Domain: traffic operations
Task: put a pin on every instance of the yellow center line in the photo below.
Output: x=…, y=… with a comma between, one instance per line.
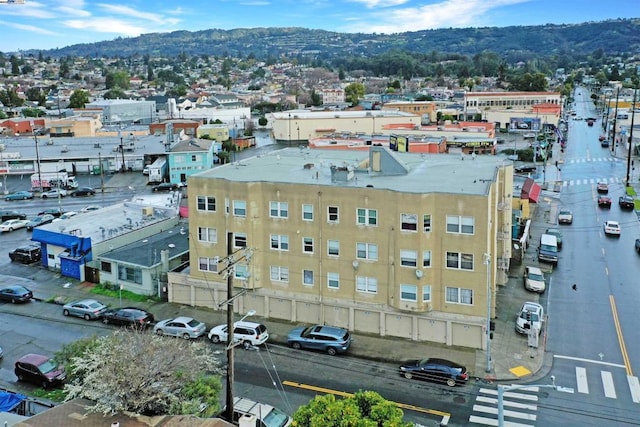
x=623, y=347
x=345, y=394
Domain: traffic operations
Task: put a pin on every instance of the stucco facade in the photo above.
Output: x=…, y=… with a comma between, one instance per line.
x=383, y=243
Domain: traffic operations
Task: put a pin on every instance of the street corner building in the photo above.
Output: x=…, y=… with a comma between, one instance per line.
x=394, y=244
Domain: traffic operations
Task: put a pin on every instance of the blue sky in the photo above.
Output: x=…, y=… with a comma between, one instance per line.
x=47, y=24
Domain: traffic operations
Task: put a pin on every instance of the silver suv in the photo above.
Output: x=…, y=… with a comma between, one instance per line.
x=249, y=334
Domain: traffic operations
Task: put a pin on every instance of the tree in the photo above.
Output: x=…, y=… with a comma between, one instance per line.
x=10, y=98
x=79, y=98
x=115, y=94
x=262, y=121
x=32, y=112
x=354, y=93
x=36, y=94
x=365, y=408
x=117, y=80
x=146, y=374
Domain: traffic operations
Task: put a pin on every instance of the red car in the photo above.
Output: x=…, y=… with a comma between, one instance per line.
x=604, y=201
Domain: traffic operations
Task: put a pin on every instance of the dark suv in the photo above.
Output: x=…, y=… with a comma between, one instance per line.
x=7, y=215
x=39, y=369
x=26, y=254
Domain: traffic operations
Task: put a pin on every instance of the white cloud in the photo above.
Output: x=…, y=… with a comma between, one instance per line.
x=132, y=13
x=371, y=4
x=30, y=28
x=66, y=10
x=106, y=25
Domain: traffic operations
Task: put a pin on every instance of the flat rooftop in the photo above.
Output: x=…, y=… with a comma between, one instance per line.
x=425, y=173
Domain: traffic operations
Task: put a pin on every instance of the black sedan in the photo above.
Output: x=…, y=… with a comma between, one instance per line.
x=626, y=202
x=83, y=191
x=165, y=186
x=15, y=294
x=128, y=316
x=438, y=370
x=56, y=212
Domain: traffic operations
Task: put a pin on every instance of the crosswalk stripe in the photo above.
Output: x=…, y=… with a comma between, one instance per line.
x=510, y=394
x=494, y=422
x=581, y=377
x=505, y=412
x=607, y=383
x=508, y=403
x=634, y=386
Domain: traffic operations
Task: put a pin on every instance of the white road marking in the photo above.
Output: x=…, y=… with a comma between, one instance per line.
x=509, y=403
x=579, y=359
x=607, y=383
x=581, y=377
x=634, y=386
x=494, y=422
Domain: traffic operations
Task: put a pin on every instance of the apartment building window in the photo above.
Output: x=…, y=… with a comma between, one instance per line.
x=367, y=216
x=239, y=208
x=241, y=271
x=408, y=258
x=280, y=242
x=333, y=215
x=307, y=277
x=409, y=222
x=460, y=224
x=279, y=274
x=194, y=158
x=207, y=203
x=426, y=223
x=367, y=284
x=307, y=245
x=409, y=293
x=105, y=266
x=426, y=259
x=307, y=212
x=459, y=295
x=333, y=247
x=459, y=261
x=130, y=274
x=279, y=209
x=333, y=280
x=426, y=293
x=206, y=234
x=239, y=240
x=367, y=251
x=208, y=264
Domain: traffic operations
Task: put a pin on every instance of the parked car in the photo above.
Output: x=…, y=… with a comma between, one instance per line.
x=88, y=309
x=7, y=215
x=19, y=195
x=604, y=201
x=39, y=369
x=15, y=294
x=26, y=254
x=39, y=220
x=90, y=208
x=127, y=316
x=612, y=228
x=265, y=415
x=638, y=245
x=56, y=212
x=437, y=370
x=626, y=202
x=565, y=216
x=330, y=339
x=531, y=315
x=185, y=327
x=555, y=232
x=534, y=279
x=54, y=194
x=525, y=169
x=248, y=334
x=65, y=215
x=602, y=187
x=165, y=186
x=13, y=224
x=83, y=191
x=604, y=143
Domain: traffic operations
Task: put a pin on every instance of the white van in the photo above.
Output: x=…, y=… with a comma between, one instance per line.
x=548, y=250
x=248, y=413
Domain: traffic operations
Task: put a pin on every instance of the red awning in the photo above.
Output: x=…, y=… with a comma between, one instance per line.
x=530, y=190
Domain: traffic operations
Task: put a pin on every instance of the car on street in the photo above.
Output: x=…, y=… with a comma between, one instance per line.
x=19, y=195
x=557, y=233
x=264, y=415
x=88, y=309
x=436, y=370
x=626, y=202
x=248, y=334
x=638, y=245
x=90, y=208
x=604, y=201
x=565, y=216
x=604, y=143
x=531, y=315
x=66, y=215
x=39, y=369
x=56, y=212
x=612, y=228
x=127, y=316
x=525, y=169
x=83, y=191
x=330, y=339
x=26, y=254
x=184, y=327
x=15, y=294
x=602, y=187
x=6, y=215
x=54, y=194
x=39, y=220
x=13, y=224
x=534, y=279
x=165, y=186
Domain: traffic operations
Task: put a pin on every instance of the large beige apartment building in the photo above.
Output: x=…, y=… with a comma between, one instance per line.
x=395, y=244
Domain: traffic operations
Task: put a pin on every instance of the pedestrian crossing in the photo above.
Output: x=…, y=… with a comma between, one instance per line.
x=593, y=160
x=519, y=407
x=606, y=384
x=592, y=181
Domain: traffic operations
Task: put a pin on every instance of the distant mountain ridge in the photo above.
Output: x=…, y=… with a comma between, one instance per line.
x=618, y=36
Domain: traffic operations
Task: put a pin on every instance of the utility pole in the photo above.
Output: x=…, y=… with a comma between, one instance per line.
x=101, y=175
x=487, y=262
x=122, y=151
x=615, y=120
x=35, y=136
x=633, y=116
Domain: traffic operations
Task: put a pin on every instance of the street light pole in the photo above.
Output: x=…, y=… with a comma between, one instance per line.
x=615, y=120
x=230, y=373
x=35, y=136
x=633, y=115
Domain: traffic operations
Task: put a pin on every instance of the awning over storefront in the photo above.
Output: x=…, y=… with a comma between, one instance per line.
x=530, y=190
